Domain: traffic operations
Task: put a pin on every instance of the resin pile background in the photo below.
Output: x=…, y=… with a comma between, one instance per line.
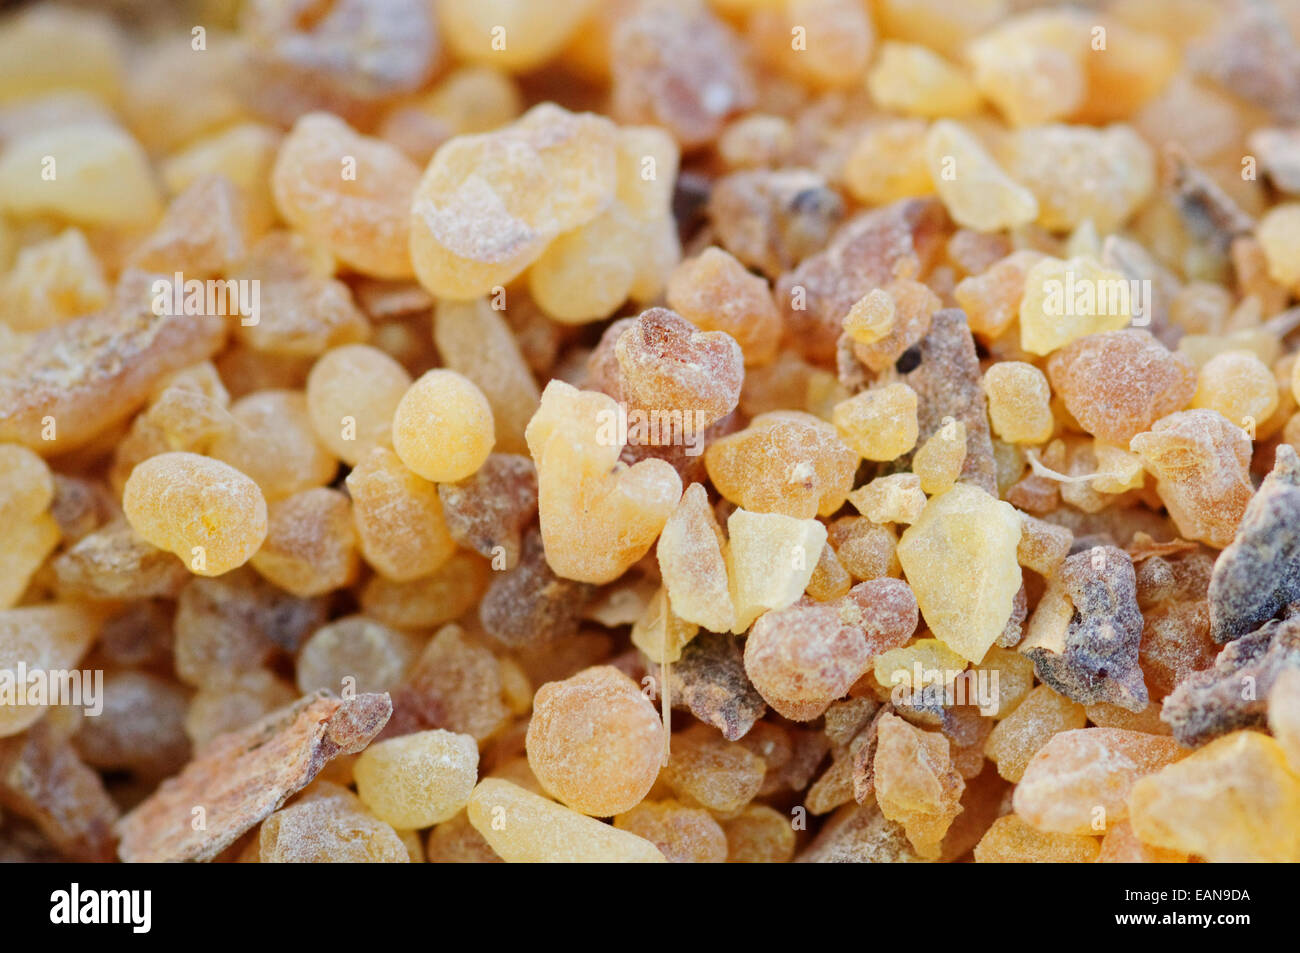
x=643, y=430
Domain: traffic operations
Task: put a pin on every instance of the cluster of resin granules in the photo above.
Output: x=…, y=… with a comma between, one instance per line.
x=748, y=431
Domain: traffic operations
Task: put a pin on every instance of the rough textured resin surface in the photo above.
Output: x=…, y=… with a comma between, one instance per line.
x=328, y=826
x=1019, y=402
x=915, y=782
x=897, y=498
x=208, y=513
x=310, y=545
x=757, y=835
x=398, y=517
x=417, y=780
x=715, y=293
x=351, y=192
x=595, y=741
x=1199, y=459
x=1018, y=737
x=1011, y=840
x=1079, y=782
x=354, y=653
x=271, y=440
x=691, y=561
x=48, y=637
x=938, y=461
x=1235, y=800
x=813, y=469
x=1118, y=383
x=978, y=193
x=666, y=363
x=879, y=424
x=474, y=340
x=708, y=770
x=524, y=827
x=806, y=656
x=596, y=519
x=770, y=559
x=488, y=204
x=960, y=559
x=1238, y=385
x=352, y=394
x=685, y=835
x=443, y=428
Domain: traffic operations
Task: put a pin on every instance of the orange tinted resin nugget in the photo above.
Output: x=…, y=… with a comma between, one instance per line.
x=398, y=517
x=442, y=428
x=208, y=513
x=1011, y=841
x=595, y=741
x=1019, y=736
x=685, y=835
x=352, y=393
x=1079, y=782
x=417, y=780
x=786, y=462
x=349, y=191
x=1200, y=460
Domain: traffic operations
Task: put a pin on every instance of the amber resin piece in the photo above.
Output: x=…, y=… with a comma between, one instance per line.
x=960, y=559
x=1200, y=460
x=595, y=741
x=1018, y=737
x=865, y=253
x=787, y=462
x=523, y=827
x=42, y=778
x=88, y=374
x=1235, y=800
x=48, y=637
x=707, y=770
x=1011, y=841
x=1119, y=383
x=685, y=835
x=1079, y=782
x=802, y=658
x=488, y=511
x=915, y=782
